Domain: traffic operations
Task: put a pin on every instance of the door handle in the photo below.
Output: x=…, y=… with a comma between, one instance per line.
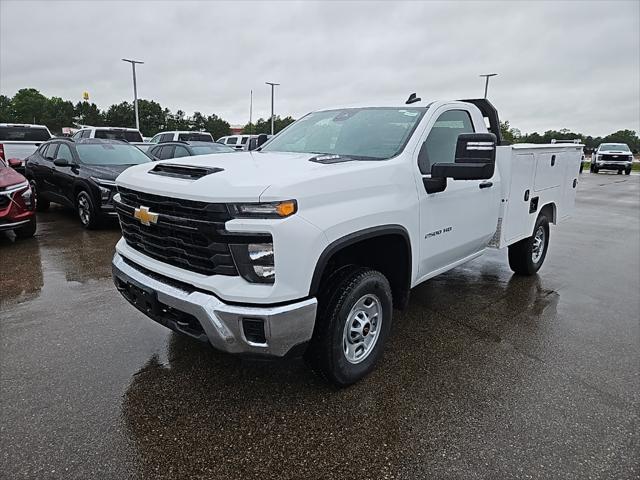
x=486, y=185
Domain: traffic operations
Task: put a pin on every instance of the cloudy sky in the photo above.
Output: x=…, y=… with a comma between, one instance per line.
x=560, y=64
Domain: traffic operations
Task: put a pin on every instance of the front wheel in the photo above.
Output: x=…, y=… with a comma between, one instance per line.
x=354, y=321
x=42, y=204
x=596, y=169
x=527, y=256
x=627, y=171
x=86, y=211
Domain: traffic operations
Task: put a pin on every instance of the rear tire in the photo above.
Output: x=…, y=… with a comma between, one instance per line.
x=89, y=217
x=27, y=231
x=352, y=326
x=42, y=204
x=527, y=256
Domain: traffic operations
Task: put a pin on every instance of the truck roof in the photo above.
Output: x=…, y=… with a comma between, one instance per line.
x=26, y=125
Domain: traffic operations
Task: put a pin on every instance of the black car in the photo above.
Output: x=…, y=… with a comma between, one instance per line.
x=80, y=174
x=177, y=149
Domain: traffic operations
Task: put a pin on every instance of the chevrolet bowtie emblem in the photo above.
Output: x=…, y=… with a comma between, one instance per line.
x=145, y=216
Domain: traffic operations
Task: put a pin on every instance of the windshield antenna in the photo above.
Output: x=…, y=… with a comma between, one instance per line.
x=412, y=99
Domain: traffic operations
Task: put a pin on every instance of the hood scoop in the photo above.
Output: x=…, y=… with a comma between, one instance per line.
x=188, y=172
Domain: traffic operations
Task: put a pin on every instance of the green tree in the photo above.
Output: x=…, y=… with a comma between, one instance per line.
x=6, y=110
x=89, y=114
x=59, y=113
x=152, y=117
x=29, y=106
x=120, y=115
x=216, y=126
x=629, y=137
x=264, y=126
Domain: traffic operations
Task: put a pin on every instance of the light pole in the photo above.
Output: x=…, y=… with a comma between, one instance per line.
x=135, y=89
x=486, y=84
x=272, y=87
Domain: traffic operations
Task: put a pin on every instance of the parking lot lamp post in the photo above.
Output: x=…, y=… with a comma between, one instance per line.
x=135, y=89
x=272, y=117
x=486, y=83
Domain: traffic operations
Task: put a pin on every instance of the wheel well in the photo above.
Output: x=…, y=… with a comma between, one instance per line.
x=549, y=210
x=388, y=253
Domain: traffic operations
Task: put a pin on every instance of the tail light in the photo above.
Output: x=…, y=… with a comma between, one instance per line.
x=1, y=151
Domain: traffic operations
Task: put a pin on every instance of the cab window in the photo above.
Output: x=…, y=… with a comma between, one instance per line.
x=440, y=145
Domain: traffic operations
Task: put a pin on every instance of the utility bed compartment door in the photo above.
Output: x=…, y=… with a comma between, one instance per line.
x=548, y=170
x=516, y=222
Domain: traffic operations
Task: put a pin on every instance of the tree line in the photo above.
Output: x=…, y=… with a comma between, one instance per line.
x=28, y=105
x=513, y=135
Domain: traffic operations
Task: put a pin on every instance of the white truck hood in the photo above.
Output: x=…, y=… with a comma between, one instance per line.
x=245, y=175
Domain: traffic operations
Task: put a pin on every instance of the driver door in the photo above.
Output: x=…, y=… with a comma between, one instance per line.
x=459, y=221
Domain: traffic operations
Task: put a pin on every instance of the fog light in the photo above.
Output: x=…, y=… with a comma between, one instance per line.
x=264, y=271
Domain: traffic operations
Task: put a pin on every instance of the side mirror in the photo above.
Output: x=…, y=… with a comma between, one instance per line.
x=15, y=162
x=262, y=138
x=475, y=158
x=62, y=162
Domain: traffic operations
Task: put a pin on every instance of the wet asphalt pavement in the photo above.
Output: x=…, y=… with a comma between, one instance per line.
x=486, y=375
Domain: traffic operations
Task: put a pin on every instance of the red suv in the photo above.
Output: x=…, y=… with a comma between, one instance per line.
x=17, y=210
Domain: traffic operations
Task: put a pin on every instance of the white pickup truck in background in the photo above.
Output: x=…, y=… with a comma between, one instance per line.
x=306, y=244
x=18, y=141
x=612, y=156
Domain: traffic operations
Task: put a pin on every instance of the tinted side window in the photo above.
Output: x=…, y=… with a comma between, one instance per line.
x=86, y=133
x=440, y=145
x=166, y=137
x=244, y=140
x=232, y=140
x=166, y=152
x=50, y=152
x=180, y=152
x=64, y=152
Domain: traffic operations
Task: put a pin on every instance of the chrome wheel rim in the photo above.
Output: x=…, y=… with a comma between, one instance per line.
x=538, y=244
x=362, y=328
x=84, y=210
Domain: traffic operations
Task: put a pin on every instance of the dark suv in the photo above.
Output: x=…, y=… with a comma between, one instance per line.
x=80, y=174
x=176, y=149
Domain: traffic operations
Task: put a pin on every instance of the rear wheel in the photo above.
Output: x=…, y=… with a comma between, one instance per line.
x=89, y=217
x=42, y=204
x=527, y=256
x=354, y=321
x=28, y=230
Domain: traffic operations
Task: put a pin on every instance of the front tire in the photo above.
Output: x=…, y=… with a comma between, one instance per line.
x=27, y=231
x=354, y=321
x=527, y=256
x=627, y=171
x=596, y=169
x=89, y=217
x=42, y=204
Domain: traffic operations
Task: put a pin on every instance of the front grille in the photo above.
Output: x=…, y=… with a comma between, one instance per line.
x=616, y=158
x=187, y=234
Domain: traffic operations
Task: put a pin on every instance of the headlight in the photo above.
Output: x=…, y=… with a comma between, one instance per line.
x=598, y=157
x=28, y=198
x=105, y=186
x=264, y=210
x=255, y=261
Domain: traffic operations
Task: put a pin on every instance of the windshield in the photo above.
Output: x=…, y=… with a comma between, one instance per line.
x=367, y=133
x=614, y=146
x=25, y=134
x=110, y=154
x=128, y=135
x=213, y=148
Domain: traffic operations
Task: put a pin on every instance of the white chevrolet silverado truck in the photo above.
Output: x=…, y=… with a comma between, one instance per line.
x=307, y=244
x=612, y=156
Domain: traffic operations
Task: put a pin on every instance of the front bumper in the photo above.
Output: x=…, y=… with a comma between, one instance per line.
x=608, y=165
x=202, y=315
